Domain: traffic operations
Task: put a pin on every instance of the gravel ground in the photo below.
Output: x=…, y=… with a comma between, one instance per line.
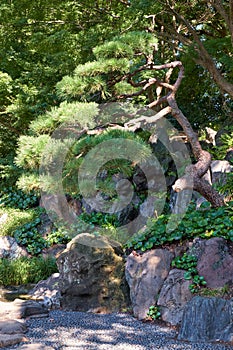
x=87, y=331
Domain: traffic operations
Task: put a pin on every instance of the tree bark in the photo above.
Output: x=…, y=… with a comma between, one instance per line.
x=193, y=177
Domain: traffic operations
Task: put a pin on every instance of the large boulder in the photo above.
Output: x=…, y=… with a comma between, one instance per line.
x=145, y=275
x=92, y=274
x=207, y=319
x=215, y=262
x=173, y=297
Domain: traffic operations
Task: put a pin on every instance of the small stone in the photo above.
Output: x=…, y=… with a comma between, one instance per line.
x=12, y=327
x=35, y=346
x=11, y=339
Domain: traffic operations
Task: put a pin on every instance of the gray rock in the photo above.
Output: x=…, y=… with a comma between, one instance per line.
x=47, y=292
x=21, y=309
x=214, y=261
x=12, y=327
x=145, y=275
x=219, y=169
x=35, y=346
x=92, y=274
x=207, y=319
x=174, y=296
x=11, y=339
x=10, y=249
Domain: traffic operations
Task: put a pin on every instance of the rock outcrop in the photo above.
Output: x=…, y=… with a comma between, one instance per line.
x=145, y=275
x=215, y=262
x=207, y=319
x=173, y=297
x=10, y=249
x=92, y=275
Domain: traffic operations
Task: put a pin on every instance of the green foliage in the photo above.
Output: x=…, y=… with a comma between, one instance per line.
x=154, y=312
x=15, y=218
x=100, y=219
x=26, y=270
x=30, y=150
x=69, y=113
x=5, y=89
x=15, y=198
x=226, y=187
x=196, y=223
x=57, y=236
x=118, y=165
x=29, y=236
x=29, y=182
x=9, y=172
x=189, y=262
x=126, y=45
x=216, y=292
x=219, y=152
x=115, y=58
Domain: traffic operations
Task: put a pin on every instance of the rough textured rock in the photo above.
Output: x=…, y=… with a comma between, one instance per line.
x=145, y=275
x=10, y=249
x=207, y=319
x=92, y=274
x=11, y=339
x=214, y=261
x=11, y=330
x=47, y=292
x=174, y=296
x=219, y=168
x=35, y=346
x=12, y=327
x=22, y=308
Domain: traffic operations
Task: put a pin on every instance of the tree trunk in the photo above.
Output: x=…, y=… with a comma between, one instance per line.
x=203, y=158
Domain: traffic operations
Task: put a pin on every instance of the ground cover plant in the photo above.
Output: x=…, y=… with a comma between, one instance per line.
x=205, y=223
x=26, y=270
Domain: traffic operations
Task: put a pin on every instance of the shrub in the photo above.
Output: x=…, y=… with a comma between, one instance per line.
x=189, y=262
x=26, y=270
x=196, y=223
x=29, y=236
x=16, y=218
x=15, y=198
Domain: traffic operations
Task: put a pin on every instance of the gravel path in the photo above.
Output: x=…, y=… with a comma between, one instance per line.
x=77, y=330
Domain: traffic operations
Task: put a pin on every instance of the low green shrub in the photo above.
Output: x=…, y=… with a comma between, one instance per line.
x=205, y=223
x=58, y=236
x=15, y=218
x=15, y=198
x=154, y=312
x=29, y=236
x=189, y=262
x=26, y=270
